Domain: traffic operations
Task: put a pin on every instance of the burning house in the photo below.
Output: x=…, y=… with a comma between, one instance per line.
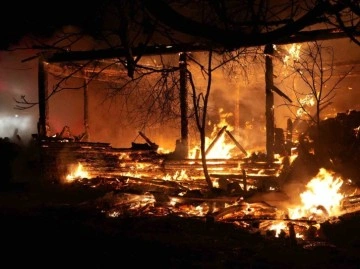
x=220, y=158
x=288, y=195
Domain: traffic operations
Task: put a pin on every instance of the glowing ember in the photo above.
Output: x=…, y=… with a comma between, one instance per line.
x=278, y=228
x=77, y=173
x=124, y=156
x=161, y=150
x=131, y=174
x=283, y=228
x=177, y=176
x=322, y=199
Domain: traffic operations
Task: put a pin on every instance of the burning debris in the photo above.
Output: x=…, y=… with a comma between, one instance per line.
x=183, y=196
x=248, y=192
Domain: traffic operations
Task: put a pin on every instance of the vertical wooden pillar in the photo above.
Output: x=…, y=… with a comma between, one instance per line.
x=86, y=112
x=269, y=110
x=43, y=123
x=237, y=110
x=184, y=105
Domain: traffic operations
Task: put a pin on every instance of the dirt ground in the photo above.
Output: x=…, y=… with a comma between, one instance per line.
x=52, y=226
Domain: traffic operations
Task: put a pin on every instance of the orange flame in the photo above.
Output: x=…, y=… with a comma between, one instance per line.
x=306, y=102
x=293, y=53
x=77, y=173
x=221, y=149
x=177, y=176
x=322, y=199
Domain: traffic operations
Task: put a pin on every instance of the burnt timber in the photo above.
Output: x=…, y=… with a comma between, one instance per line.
x=83, y=151
x=101, y=160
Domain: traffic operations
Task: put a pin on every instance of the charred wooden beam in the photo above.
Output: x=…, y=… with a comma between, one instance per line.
x=121, y=52
x=237, y=143
x=303, y=36
x=151, y=144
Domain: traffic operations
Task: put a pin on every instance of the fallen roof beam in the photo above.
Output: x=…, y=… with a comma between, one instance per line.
x=303, y=36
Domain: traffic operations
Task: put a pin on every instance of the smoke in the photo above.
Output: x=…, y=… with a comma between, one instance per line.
x=17, y=79
x=11, y=125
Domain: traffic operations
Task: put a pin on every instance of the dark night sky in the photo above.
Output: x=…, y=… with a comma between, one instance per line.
x=43, y=19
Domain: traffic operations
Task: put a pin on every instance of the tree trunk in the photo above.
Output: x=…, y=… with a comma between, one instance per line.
x=203, y=159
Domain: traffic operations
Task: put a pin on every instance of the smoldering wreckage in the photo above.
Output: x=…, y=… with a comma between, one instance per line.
x=290, y=204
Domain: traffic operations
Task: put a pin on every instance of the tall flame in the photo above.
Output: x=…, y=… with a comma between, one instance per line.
x=221, y=149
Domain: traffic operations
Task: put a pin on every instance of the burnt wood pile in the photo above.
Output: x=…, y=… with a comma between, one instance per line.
x=101, y=160
x=98, y=159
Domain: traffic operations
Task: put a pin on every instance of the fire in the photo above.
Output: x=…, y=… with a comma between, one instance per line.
x=77, y=173
x=321, y=199
x=307, y=101
x=220, y=150
x=177, y=176
x=131, y=174
x=217, y=145
x=278, y=228
x=293, y=53
x=161, y=150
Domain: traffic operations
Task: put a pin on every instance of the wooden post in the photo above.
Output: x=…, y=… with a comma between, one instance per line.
x=86, y=111
x=43, y=123
x=184, y=105
x=269, y=110
x=244, y=180
x=237, y=110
